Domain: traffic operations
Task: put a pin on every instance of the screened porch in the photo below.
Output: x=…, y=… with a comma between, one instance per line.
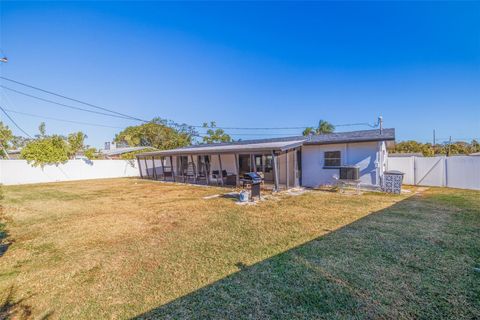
x=279, y=164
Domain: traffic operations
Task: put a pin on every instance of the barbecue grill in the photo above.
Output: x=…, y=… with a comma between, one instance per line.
x=252, y=180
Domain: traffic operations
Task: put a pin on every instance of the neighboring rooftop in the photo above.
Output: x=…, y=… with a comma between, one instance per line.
x=118, y=151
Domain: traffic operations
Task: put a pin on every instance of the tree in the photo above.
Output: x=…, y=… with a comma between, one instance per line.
x=323, y=128
x=6, y=137
x=474, y=146
x=158, y=133
x=430, y=150
x=54, y=149
x=75, y=143
x=42, y=131
x=91, y=153
x=215, y=134
x=308, y=131
x=49, y=150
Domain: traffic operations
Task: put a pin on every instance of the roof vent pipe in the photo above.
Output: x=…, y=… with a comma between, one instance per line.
x=380, y=123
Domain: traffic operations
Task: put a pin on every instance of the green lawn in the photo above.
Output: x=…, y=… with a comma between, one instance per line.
x=124, y=248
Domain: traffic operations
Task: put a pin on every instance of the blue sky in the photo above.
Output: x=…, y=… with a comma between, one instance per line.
x=248, y=64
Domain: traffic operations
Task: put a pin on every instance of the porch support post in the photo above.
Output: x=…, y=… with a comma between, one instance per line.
x=237, y=171
x=194, y=168
x=146, y=167
x=287, y=176
x=181, y=167
x=140, y=167
x=221, y=168
x=253, y=166
x=295, y=168
x=263, y=163
x=207, y=168
x=154, y=168
x=275, y=170
x=171, y=168
x=162, y=159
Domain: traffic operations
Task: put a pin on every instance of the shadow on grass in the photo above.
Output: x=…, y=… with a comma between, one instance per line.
x=10, y=308
x=400, y=262
x=4, y=243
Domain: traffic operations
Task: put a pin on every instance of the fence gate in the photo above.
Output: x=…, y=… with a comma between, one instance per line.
x=454, y=172
x=429, y=171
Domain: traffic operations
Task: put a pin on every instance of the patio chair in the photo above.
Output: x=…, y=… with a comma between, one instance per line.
x=216, y=176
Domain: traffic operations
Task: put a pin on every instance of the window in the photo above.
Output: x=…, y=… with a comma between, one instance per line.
x=332, y=159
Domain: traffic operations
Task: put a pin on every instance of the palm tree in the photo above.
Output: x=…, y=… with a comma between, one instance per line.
x=308, y=131
x=323, y=128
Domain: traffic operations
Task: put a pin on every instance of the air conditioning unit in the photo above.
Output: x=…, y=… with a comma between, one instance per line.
x=349, y=173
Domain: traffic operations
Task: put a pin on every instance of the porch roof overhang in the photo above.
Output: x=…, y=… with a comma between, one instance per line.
x=277, y=146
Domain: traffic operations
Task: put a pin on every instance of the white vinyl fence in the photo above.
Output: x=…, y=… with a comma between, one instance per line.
x=455, y=172
x=20, y=172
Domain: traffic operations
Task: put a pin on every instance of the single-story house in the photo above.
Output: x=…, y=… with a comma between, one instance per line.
x=283, y=162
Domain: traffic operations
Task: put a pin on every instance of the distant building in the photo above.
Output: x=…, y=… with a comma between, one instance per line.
x=114, y=150
x=14, y=154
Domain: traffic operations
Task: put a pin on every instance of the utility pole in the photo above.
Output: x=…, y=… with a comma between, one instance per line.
x=4, y=60
x=449, y=144
x=434, y=137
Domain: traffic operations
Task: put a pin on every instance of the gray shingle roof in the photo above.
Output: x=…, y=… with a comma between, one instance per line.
x=245, y=146
x=352, y=136
x=280, y=144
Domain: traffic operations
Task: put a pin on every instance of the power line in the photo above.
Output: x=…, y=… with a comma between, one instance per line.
x=16, y=124
x=125, y=116
x=116, y=127
x=288, y=128
x=62, y=104
x=72, y=99
x=62, y=120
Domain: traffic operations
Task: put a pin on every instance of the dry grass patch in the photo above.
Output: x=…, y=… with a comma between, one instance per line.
x=123, y=247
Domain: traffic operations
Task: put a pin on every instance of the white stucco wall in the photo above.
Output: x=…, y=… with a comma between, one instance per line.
x=20, y=172
x=363, y=154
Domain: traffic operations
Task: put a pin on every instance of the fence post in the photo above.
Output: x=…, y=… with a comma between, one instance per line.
x=445, y=176
x=414, y=171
